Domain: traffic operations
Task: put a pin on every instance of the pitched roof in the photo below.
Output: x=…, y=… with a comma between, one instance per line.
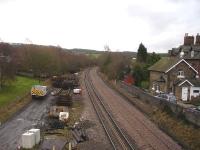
x=186, y=81
x=192, y=82
x=196, y=56
x=164, y=64
x=186, y=49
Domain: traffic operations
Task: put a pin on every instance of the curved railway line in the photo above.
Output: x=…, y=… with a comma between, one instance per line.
x=117, y=137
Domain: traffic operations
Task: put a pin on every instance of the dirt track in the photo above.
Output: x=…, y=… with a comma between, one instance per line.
x=140, y=128
x=29, y=117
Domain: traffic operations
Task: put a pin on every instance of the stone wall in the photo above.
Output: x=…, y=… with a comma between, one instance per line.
x=192, y=116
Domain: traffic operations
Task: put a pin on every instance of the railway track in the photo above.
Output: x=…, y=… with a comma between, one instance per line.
x=117, y=137
x=141, y=129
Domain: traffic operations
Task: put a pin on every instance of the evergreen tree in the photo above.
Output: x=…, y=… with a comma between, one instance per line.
x=142, y=54
x=153, y=58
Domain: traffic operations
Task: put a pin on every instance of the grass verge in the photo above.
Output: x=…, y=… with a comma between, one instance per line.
x=15, y=96
x=15, y=90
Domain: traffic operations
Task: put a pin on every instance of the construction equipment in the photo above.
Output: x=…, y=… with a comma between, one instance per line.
x=39, y=91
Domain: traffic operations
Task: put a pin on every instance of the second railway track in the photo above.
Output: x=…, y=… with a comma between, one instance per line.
x=117, y=137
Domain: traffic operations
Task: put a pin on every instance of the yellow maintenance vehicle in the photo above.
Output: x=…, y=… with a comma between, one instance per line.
x=39, y=91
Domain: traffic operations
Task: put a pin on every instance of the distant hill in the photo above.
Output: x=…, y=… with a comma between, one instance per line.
x=81, y=50
x=90, y=51
x=84, y=51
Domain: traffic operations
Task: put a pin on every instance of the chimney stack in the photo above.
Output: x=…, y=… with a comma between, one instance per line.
x=189, y=40
x=197, y=39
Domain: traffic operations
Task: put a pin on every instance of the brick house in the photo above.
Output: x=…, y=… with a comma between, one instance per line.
x=174, y=75
x=179, y=73
x=190, y=50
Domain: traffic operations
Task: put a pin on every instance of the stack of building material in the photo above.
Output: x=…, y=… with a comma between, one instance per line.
x=36, y=132
x=28, y=140
x=67, y=84
x=57, y=81
x=65, y=98
x=79, y=135
x=74, y=79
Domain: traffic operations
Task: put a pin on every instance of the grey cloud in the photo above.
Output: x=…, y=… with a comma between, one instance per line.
x=184, y=19
x=186, y=16
x=167, y=43
x=159, y=21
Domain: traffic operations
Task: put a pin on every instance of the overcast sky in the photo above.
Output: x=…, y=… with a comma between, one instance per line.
x=121, y=24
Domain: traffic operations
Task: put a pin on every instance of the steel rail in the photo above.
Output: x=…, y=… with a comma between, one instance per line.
x=99, y=116
x=117, y=128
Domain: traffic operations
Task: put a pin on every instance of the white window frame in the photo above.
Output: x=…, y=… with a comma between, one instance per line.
x=181, y=74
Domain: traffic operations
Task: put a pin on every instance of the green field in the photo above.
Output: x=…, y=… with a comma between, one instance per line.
x=93, y=55
x=16, y=90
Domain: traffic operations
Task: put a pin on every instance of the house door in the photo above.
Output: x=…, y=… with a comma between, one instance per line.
x=184, y=93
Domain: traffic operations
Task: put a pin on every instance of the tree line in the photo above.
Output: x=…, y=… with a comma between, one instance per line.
x=117, y=64
x=38, y=60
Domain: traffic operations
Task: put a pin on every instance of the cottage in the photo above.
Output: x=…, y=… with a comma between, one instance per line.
x=175, y=75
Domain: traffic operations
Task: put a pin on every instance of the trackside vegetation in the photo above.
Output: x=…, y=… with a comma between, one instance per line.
x=116, y=65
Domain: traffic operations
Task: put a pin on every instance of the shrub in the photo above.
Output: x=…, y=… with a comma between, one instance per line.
x=195, y=101
x=145, y=84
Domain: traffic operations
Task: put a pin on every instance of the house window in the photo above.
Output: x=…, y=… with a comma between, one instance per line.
x=195, y=91
x=180, y=74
